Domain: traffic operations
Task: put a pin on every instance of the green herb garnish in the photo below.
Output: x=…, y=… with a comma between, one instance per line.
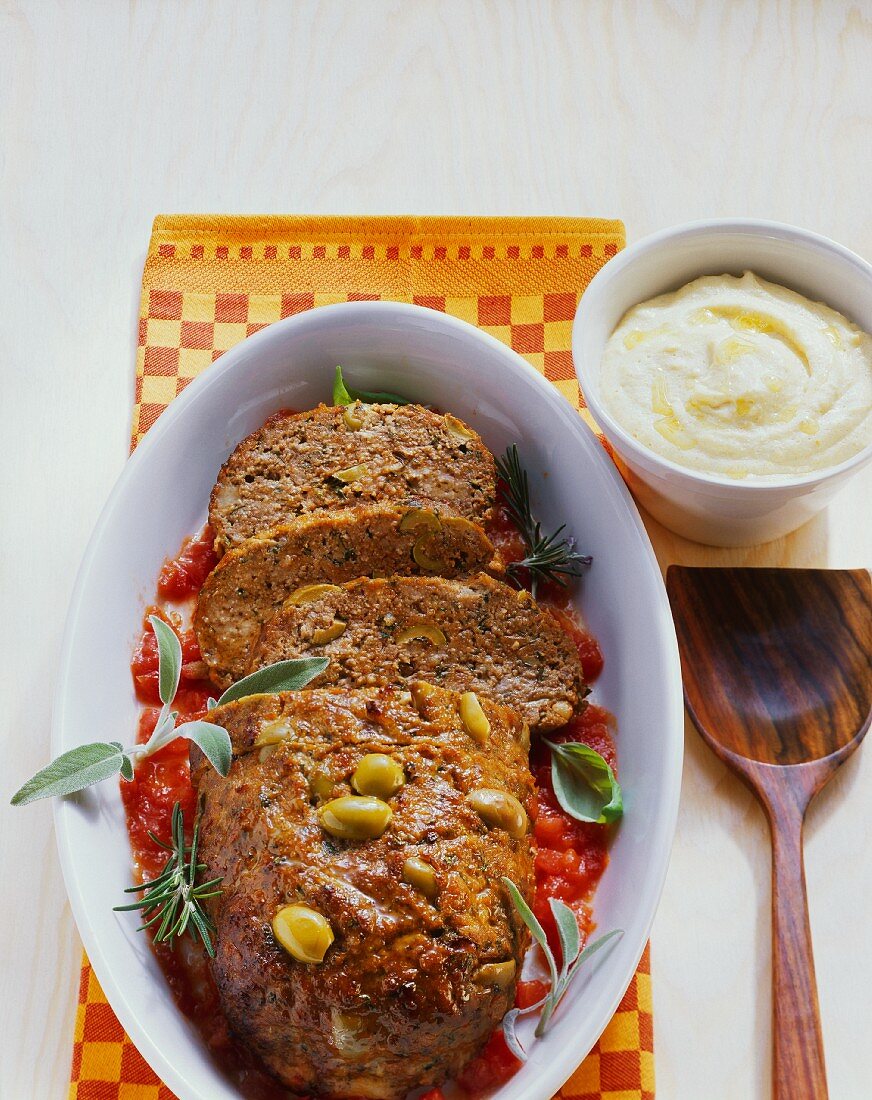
x=175, y=897
x=88, y=764
x=572, y=958
x=584, y=784
x=282, y=676
x=345, y=395
x=549, y=557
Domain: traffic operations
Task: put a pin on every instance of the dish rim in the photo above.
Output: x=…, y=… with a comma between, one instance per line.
x=552, y=1076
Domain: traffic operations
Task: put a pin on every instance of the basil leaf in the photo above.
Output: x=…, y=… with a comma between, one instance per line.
x=345, y=395
x=282, y=676
x=73, y=770
x=529, y=918
x=584, y=784
x=213, y=741
x=169, y=650
x=341, y=396
x=567, y=930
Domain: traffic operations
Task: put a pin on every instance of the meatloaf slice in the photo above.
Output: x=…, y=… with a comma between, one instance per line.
x=336, y=457
x=253, y=580
x=411, y=986
x=476, y=634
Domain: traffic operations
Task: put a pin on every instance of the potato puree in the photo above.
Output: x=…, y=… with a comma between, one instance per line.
x=741, y=378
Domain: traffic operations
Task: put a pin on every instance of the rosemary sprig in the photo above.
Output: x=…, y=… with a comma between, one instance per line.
x=549, y=557
x=572, y=958
x=175, y=897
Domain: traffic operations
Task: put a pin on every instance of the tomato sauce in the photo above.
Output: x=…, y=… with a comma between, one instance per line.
x=570, y=856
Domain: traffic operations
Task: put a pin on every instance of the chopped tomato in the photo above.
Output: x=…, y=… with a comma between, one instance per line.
x=144, y=665
x=493, y=1066
x=432, y=1094
x=530, y=993
x=185, y=574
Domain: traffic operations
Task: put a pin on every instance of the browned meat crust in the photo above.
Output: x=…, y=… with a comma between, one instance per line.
x=402, y=453
x=253, y=580
x=398, y=1001
x=497, y=641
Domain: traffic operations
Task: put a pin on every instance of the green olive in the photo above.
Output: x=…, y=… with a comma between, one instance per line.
x=499, y=810
x=320, y=784
x=379, y=775
x=304, y=933
x=500, y=974
x=356, y=817
x=417, y=872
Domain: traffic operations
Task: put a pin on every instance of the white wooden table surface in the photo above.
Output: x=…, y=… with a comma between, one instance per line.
x=652, y=112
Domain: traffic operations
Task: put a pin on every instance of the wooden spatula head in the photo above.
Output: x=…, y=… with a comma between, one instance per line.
x=776, y=662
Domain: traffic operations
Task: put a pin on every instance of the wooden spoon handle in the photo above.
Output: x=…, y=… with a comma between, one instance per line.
x=798, y=1071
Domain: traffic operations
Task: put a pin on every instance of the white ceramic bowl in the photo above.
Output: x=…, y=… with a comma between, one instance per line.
x=700, y=506
x=161, y=496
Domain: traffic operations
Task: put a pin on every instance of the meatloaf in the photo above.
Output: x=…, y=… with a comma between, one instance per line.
x=337, y=457
x=253, y=580
x=412, y=984
x=476, y=634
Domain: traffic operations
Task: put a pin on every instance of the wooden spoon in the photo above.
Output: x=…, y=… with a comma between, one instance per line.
x=776, y=668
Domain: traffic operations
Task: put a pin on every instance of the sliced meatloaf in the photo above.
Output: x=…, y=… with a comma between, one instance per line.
x=422, y=966
x=254, y=579
x=476, y=634
x=336, y=457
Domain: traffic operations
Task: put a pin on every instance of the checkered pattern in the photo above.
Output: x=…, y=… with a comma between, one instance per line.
x=210, y=282
x=107, y=1066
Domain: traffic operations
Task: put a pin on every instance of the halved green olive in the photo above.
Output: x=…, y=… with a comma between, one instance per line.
x=474, y=718
x=457, y=428
x=351, y=474
x=308, y=593
x=304, y=933
x=499, y=810
x=500, y=974
x=273, y=733
x=356, y=817
x=379, y=775
x=420, y=519
x=421, y=632
x=423, y=556
x=353, y=416
x=417, y=872
x=329, y=633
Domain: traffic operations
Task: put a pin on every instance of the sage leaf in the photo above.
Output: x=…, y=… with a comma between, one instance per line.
x=511, y=1036
x=345, y=395
x=169, y=650
x=567, y=930
x=213, y=741
x=211, y=703
x=164, y=732
x=592, y=948
x=530, y=919
x=126, y=767
x=584, y=784
x=72, y=771
x=282, y=676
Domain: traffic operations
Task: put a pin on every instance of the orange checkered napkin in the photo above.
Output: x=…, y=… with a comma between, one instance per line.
x=211, y=281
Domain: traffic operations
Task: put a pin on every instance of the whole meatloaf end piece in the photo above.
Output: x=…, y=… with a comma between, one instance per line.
x=413, y=983
x=338, y=457
x=252, y=581
x=475, y=634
